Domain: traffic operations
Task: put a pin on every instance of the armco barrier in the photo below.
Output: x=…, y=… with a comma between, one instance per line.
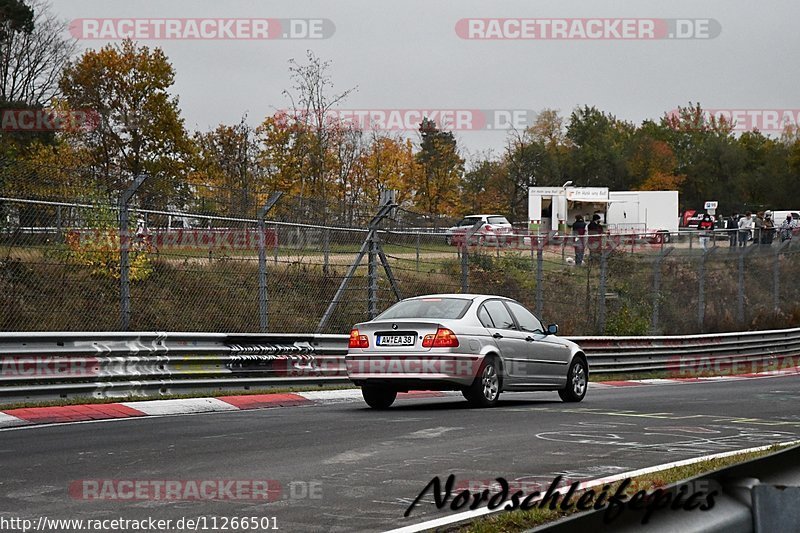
x=100, y=365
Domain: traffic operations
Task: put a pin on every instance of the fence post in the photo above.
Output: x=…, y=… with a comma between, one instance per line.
x=275, y=244
x=539, y=277
x=263, y=309
x=372, y=272
x=124, y=259
x=776, y=280
x=657, y=290
x=417, y=252
x=326, y=250
x=601, y=295
x=371, y=246
x=464, y=268
x=58, y=222
x=701, y=291
x=740, y=284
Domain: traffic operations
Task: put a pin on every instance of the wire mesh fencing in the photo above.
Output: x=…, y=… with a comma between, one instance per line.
x=189, y=258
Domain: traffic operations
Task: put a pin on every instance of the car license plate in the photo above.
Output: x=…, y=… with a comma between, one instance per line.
x=396, y=340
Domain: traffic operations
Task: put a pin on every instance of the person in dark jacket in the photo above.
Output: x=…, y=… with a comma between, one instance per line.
x=594, y=229
x=732, y=225
x=579, y=232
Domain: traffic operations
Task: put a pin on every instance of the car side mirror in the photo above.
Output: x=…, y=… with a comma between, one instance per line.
x=552, y=329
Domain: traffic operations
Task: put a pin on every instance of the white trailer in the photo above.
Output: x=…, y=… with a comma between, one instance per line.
x=652, y=214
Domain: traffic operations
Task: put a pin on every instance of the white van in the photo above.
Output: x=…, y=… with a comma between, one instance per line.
x=779, y=216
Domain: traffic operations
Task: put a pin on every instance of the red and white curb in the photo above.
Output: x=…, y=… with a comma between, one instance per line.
x=80, y=413
x=106, y=411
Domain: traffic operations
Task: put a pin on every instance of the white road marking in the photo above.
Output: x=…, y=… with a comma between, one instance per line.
x=181, y=406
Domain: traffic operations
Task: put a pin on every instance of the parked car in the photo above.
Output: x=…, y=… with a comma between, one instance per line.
x=492, y=231
x=477, y=344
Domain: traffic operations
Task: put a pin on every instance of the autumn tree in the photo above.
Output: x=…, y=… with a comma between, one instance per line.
x=226, y=170
x=436, y=191
x=312, y=99
x=140, y=128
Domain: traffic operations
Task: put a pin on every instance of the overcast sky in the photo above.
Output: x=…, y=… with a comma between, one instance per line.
x=408, y=55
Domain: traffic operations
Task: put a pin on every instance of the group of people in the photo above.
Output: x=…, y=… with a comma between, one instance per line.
x=580, y=229
x=761, y=228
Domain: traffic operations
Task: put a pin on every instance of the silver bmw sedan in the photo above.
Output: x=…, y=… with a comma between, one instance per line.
x=481, y=345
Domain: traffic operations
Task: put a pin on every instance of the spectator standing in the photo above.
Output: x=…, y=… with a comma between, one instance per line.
x=732, y=225
x=706, y=228
x=745, y=226
x=786, y=229
x=758, y=228
x=595, y=229
x=768, y=231
x=579, y=231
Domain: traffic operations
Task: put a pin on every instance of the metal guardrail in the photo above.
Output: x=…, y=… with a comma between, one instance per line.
x=758, y=496
x=107, y=365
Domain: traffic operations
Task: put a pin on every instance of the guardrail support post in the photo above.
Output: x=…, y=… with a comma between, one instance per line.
x=263, y=309
x=124, y=259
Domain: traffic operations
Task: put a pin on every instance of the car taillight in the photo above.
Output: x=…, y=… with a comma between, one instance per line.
x=444, y=338
x=357, y=340
x=488, y=227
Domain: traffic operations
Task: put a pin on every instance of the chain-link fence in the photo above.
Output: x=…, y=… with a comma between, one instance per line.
x=95, y=261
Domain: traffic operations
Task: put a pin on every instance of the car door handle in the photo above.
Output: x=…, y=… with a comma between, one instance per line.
x=529, y=339
x=497, y=336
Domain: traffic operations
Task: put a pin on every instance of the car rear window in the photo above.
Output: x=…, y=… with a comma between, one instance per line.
x=498, y=220
x=469, y=221
x=444, y=308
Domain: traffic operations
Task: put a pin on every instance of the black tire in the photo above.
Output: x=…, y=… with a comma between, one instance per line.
x=448, y=240
x=577, y=381
x=378, y=397
x=485, y=389
x=667, y=238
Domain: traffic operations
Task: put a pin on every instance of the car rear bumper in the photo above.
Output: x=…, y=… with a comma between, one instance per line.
x=445, y=369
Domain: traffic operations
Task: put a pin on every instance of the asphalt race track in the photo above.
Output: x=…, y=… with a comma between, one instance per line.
x=344, y=467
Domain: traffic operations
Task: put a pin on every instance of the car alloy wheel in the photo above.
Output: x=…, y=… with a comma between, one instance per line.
x=485, y=388
x=490, y=382
x=577, y=381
